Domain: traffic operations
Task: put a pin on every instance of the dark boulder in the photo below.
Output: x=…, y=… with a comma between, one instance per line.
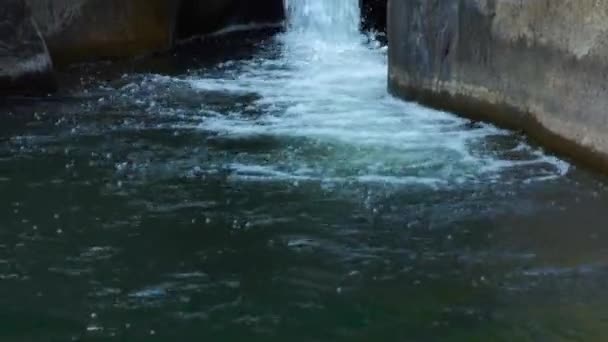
x=25, y=64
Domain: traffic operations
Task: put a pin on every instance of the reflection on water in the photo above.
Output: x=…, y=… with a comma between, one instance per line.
x=281, y=194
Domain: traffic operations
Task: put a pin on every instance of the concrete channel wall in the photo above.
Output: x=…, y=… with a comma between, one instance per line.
x=35, y=32
x=540, y=66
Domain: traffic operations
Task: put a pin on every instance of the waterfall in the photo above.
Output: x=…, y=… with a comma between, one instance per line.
x=325, y=19
x=321, y=93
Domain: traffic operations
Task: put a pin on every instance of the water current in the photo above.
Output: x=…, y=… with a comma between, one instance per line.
x=270, y=188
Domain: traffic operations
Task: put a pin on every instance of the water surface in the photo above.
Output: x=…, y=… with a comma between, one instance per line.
x=276, y=191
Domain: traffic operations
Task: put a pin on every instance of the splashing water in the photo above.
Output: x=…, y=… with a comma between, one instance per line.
x=332, y=20
x=325, y=98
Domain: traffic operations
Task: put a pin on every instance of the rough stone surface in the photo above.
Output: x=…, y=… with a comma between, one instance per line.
x=79, y=30
x=25, y=64
x=536, y=65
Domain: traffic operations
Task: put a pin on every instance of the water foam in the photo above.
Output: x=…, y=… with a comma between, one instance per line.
x=324, y=98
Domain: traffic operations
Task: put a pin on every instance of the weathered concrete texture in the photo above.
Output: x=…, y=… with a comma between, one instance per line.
x=83, y=30
x=24, y=60
x=541, y=65
x=79, y=30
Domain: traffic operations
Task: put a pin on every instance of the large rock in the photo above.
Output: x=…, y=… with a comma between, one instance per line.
x=25, y=65
x=540, y=65
x=80, y=30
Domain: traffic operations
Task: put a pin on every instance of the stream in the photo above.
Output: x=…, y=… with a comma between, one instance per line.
x=270, y=189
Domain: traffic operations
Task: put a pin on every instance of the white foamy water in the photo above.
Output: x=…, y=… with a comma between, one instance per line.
x=331, y=20
x=325, y=105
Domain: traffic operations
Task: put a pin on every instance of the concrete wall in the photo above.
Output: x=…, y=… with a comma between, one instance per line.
x=536, y=65
x=80, y=30
x=87, y=30
x=198, y=17
x=374, y=15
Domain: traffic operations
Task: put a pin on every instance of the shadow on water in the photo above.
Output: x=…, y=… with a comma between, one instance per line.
x=167, y=198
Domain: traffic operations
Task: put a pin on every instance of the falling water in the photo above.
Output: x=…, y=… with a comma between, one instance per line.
x=328, y=19
x=324, y=97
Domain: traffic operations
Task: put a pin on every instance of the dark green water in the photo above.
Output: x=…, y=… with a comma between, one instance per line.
x=252, y=197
